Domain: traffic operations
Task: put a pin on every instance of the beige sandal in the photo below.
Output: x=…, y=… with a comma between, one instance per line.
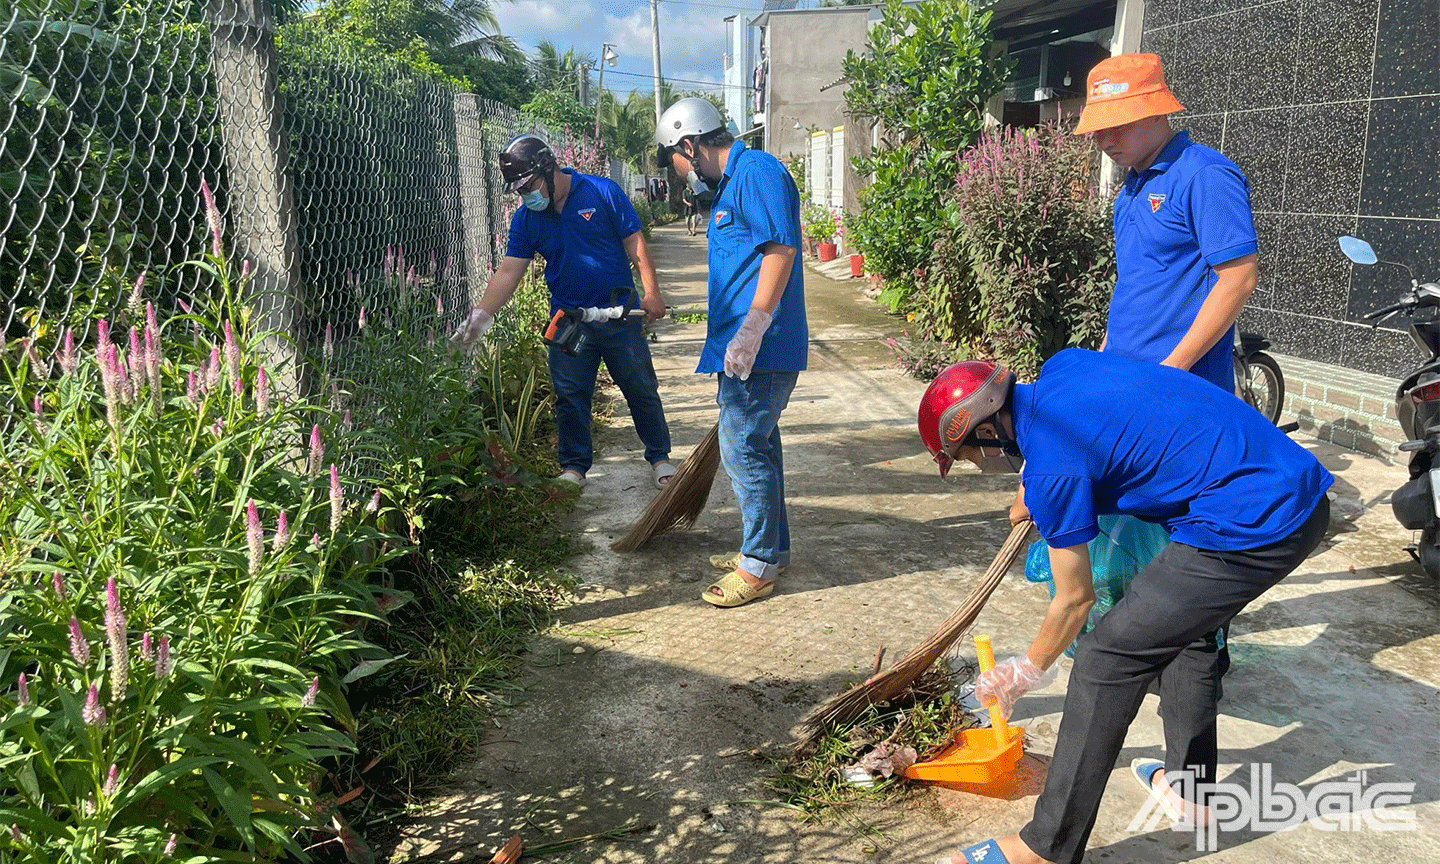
x=731, y=561
x=735, y=591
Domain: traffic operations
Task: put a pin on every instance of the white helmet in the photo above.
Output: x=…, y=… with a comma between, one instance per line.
x=689, y=116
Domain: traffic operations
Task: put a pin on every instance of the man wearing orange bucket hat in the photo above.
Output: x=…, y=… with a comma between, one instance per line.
x=1185, y=243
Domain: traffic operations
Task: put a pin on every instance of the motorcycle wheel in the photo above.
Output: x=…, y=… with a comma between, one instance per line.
x=1430, y=563
x=1261, y=384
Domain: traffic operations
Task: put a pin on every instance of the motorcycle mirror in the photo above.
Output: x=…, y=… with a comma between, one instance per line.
x=1357, y=250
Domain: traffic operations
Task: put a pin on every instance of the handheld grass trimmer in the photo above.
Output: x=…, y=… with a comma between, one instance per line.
x=893, y=681
x=567, y=330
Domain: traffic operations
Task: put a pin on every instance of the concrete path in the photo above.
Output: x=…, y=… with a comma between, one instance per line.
x=649, y=706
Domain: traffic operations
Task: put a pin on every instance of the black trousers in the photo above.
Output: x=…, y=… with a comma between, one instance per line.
x=1161, y=632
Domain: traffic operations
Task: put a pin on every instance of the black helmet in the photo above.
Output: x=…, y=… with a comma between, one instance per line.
x=523, y=158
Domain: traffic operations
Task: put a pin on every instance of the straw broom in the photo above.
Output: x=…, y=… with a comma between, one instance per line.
x=679, y=504
x=892, y=682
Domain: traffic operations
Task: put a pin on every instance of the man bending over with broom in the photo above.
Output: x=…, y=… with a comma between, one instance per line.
x=756, y=332
x=1097, y=434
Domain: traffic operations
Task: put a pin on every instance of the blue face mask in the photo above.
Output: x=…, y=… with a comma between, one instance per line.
x=536, y=200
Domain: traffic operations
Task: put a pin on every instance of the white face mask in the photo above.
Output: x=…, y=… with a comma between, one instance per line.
x=693, y=179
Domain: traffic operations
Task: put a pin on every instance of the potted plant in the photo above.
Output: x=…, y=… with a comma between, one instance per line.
x=820, y=226
x=857, y=261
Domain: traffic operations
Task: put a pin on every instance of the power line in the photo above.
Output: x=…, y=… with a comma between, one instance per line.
x=681, y=80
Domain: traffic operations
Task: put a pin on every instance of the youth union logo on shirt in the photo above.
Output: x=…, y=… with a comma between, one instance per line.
x=1156, y=199
x=587, y=213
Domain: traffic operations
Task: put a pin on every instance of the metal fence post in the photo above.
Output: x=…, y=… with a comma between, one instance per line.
x=261, y=204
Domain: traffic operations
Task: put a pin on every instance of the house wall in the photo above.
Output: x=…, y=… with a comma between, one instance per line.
x=805, y=50
x=1332, y=109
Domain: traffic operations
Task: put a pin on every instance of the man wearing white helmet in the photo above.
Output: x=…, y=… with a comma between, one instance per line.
x=756, y=338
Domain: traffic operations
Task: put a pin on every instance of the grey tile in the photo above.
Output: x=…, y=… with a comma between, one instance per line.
x=1161, y=13
x=1326, y=158
x=1336, y=50
x=1256, y=141
x=1161, y=42
x=1271, y=268
x=1402, y=158
x=1407, y=48
x=1311, y=338
x=1198, y=72
x=1207, y=129
x=1262, y=41
x=1312, y=277
x=1383, y=351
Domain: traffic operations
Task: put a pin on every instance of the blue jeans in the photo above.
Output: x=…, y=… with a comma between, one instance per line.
x=750, y=450
x=621, y=344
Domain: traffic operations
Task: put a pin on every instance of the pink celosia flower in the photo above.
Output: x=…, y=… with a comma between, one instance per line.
x=282, y=532
x=147, y=648
x=262, y=393
x=212, y=217
x=112, y=781
x=308, y=700
x=79, y=645
x=254, y=536
x=232, y=353
x=22, y=689
x=67, y=352
x=58, y=583
x=93, y=712
x=317, y=451
x=116, y=636
x=170, y=845
x=337, y=499
x=164, y=664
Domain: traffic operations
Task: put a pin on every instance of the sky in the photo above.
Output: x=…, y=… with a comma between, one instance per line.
x=692, y=36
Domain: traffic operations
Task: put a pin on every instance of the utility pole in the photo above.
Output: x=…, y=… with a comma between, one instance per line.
x=655, y=50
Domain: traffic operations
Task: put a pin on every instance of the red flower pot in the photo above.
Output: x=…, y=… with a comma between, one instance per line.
x=826, y=251
x=857, y=266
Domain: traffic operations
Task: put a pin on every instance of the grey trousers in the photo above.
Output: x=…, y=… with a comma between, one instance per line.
x=1161, y=632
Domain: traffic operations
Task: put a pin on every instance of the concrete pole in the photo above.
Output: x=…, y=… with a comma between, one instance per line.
x=600, y=90
x=655, y=52
x=259, y=195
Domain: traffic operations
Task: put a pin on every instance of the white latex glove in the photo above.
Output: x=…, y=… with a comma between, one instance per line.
x=740, y=353
x=1007, y=682
x=474, y=327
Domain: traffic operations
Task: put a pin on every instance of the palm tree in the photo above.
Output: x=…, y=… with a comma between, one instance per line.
x=445, y=26
x=628, y=127
x=552, y=70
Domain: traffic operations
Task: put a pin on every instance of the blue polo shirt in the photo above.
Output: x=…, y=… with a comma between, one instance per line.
x=1174, y=222
x=756, y=203
x=585, y=260
x=1107, y=434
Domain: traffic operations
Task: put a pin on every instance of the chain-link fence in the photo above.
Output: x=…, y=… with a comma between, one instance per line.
x=333, y=170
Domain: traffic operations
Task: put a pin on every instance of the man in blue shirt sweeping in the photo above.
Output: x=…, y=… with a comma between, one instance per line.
x=589, y=234
x=756, y=338
x=1244, y=505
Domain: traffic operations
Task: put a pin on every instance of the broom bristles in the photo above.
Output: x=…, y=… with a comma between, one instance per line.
x=846, y=706
x=679, y=504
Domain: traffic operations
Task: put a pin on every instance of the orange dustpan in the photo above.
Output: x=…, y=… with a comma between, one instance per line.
x=978, y=756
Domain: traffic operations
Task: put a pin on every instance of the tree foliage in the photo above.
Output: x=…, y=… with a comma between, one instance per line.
x=923, y=81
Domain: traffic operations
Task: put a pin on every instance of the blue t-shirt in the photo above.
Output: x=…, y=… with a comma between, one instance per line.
x=757, y=203
x=1176, y=220
x=585, y=260
x=1106, y=434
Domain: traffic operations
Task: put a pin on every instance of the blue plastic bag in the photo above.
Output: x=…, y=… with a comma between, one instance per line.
x=1117, y=555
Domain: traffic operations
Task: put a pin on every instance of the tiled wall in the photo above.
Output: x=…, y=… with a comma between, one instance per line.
x=1332, y=109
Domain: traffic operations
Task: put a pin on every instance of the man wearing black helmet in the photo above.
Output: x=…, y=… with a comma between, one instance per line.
x=589, y=235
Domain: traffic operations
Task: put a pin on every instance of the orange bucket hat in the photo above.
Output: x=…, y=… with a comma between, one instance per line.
x=1123, y=89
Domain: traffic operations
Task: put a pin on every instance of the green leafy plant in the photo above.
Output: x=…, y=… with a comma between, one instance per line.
x=183, y=579
x=1025, y=265
x=923, y=81
x=818, y=223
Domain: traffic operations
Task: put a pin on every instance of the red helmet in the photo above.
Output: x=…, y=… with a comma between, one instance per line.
x=960, y=398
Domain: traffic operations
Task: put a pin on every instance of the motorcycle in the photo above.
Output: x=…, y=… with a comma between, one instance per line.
x=1417, y=406
x=1257, y=376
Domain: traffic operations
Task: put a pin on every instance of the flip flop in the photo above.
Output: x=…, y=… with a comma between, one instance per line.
x=1144, y=771
x=662, y=472
x=734, y=591
x=731, y=561
x=570, y=475
x=987, y=852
